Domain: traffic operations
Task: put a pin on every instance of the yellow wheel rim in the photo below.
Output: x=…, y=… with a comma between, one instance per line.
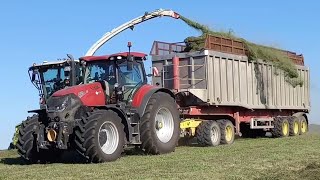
x=295, y=127
x=285, y=128
x=229, y=133
x=303, y=126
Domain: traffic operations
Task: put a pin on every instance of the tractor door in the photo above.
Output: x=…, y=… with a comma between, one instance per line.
x=132, y=79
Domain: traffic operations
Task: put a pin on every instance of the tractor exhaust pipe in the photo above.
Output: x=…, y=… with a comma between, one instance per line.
x=73, y=70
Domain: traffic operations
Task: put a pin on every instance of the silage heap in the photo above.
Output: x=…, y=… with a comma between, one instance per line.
x=269, y=54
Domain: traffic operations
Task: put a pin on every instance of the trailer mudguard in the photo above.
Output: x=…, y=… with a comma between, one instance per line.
x=142, y=96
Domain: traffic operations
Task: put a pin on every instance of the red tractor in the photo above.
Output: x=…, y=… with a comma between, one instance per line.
x=112, y=108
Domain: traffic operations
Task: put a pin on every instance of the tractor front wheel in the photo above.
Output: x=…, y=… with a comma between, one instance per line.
x=100, y=136
x=159, y=127
x=26, y=144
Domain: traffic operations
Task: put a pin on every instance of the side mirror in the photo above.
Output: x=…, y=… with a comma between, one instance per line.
x=130, y=59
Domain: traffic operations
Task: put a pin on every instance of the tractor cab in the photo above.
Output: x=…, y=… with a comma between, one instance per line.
x=120, y=74
x=49, y=77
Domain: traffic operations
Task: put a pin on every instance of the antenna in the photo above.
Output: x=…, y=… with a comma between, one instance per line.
x=129, y=46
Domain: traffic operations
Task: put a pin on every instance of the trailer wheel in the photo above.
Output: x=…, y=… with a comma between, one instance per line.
x=303, y=125
x=160, y=125
x=294, y=126
x=227, y=131
x=281, y=127
x=208, y=133
x=26, y=144
x=100, y=136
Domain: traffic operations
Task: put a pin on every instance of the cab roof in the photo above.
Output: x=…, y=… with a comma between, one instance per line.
x=107, y=57
x=50, y=63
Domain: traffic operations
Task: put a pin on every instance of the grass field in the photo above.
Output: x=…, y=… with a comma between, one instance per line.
x=261, y=158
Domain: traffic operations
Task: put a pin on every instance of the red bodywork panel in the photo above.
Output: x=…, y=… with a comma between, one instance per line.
x=90, y=94
x=239, y=114
x=94, y=58
x=125, y=54
x=139, y=95
x=106, y=57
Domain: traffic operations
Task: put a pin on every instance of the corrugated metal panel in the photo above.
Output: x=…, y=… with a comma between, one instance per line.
x=231, y=80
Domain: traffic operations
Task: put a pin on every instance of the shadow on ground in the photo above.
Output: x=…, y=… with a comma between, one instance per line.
x=68, y=157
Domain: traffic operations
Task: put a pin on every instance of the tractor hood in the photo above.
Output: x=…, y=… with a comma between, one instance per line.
x=90, y=94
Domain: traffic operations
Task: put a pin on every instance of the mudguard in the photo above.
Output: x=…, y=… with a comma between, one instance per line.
x=142, y=96
x=299, y=114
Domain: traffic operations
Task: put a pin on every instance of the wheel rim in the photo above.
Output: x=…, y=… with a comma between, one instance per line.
x=164, y=125
x=303, y=126
x=229, y=133
x=108, y=137
x=296, y=127
x=285, y=128
x=214, y=134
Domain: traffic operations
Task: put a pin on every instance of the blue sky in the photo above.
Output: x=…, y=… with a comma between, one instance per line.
x=33, y=31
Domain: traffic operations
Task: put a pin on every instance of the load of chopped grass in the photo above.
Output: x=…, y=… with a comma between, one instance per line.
x=255, y=52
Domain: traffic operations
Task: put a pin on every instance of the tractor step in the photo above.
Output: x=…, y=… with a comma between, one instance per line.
x=135, y=133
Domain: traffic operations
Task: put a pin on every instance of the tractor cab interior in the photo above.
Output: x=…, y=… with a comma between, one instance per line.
x=114, y=69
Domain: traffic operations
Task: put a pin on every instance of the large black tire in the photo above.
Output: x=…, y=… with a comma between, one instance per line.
x=304, y=126
x=279, y=129
x=208, y=133
x=26, y=144
x=151, y=143
x=11, y=146
x=89, y=139
x=294, y=126
x=227, y=131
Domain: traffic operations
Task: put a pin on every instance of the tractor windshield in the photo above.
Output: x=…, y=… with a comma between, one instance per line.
x=99, y=71
x=105, y=71
x=53, y=77
x=130, y=79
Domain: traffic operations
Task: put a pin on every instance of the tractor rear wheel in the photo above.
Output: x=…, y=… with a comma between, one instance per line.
x=281, y=127
x=160, y=125
x=294, y=126
x=208, y=133
x=100, y=136
x=227, y=131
